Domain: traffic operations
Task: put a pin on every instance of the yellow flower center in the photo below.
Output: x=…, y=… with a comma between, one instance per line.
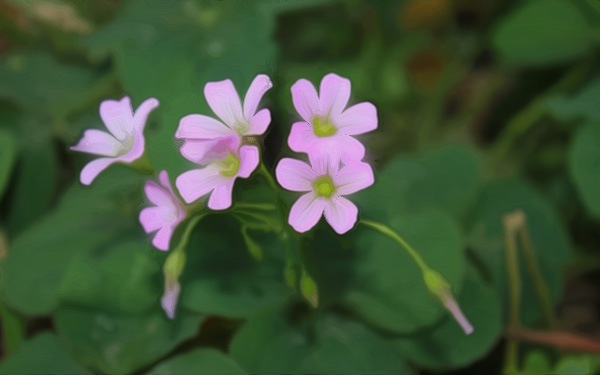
x=323, y=186
x=229, y=165
x=323, y=127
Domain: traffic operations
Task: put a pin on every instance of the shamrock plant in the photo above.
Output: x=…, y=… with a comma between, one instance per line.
x=226, y=149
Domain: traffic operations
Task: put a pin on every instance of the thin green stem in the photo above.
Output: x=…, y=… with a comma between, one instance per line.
x=187, y=233
x=511, y=225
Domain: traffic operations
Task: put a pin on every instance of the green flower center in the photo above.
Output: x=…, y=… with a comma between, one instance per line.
x=323, y=186
x=229, y=165
x=323, y=127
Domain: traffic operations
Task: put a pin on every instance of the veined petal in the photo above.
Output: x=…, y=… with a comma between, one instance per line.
x=358, y=119
x=249, y=159
x=353, y=177
x=306, y=212
x=306, y=100
x=220, y=198
x=198, y=182
x=334, y=94
x=341, y=214
x=205, y=151
x=349, y=148
x=155, y=217
x=162, y=238
x=295, y=175
x=259, y=123
x=137, y=149
x=324, y=159
x=158, y=195
x=93, y=169
x=302, y=137
x=118, y=117
x=99, y=143
x=142, y=112
x=201, y=127
x=259, y=86
x=224, y=101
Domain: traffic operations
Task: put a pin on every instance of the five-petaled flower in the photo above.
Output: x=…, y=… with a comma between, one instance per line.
x=166, y=213
x=326, y=180
x=208, y=139
x=326, y=121
x=218, y=177
x=124, y=143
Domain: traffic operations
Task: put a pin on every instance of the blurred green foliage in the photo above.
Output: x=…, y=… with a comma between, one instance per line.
x=485, y=108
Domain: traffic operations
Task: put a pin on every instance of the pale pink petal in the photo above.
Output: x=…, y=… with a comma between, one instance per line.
x=155, y=217
x=306, y=212
x=220, y=198
x=99, y=143
x=137, y=149
x=358, y=119
x=259, y=86
x=118, y=117
x=301, y=138
x=457, y=313
x=201, y=127
x=249, y=159
x=162, y=238
x=157, y=194
x=224, y=101
x=259, y=123
x=324, y=160
x=306, y=100
x=353, y=177
x=205, y=151
x=349, y=148
x=169, y=299
x=93, y=169
x=198, y=182
x=341, y=214
x=334, y=94
x=295, y=175
x=142, y=112
x=163, y=178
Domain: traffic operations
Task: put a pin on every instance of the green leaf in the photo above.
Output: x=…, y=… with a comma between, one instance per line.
x=199, y=361
x=582, y=105
x=445, y=178
x=41, y=355
x=389, y=291
x=530, y=34
x=445, y=346
x=8, y=151
x=121, y=343
x=584, y=166
x=548, y=236
x=220, y=276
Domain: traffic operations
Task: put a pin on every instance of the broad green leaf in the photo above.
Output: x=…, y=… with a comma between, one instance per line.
x=8, y=152
x=445, y=346
x=548, y=235
x=445, y=178
x=121, y=343
x=41, y=355
x=39, y=258
x=581, y=106
x=222, y=278
x=199, y=361
x=584, y=166
x=542, y=32
x=388, y=290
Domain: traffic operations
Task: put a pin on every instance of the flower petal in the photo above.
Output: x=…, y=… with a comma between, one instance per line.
x=162, y=238
x=349, y=148
x=353, y=177
x=224, y=101
x=249, y=159
x=358, y=119
x=201, y=127
x=334, y=94
x=325, y=158
x=99, y=143
x=158, y=195
x=142, y=112
x=169, y=299
x=220, y=198
x=306, y=100
x=137, y=149
x=153, y=218
x=302, y=137
x=259, y=123
x=198, y=182
x=341, y=214
x=306, y=212
x=118, y=117
x=205, y=151
x=295, y=175
x=93, y=169
x=259, y=86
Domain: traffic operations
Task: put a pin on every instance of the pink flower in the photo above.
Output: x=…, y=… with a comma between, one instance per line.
x=168, y=301
x=167, y=213
x=326, y=122
x=218, y=177
x=207, y=139
x=124, y=143
x=326, y=181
